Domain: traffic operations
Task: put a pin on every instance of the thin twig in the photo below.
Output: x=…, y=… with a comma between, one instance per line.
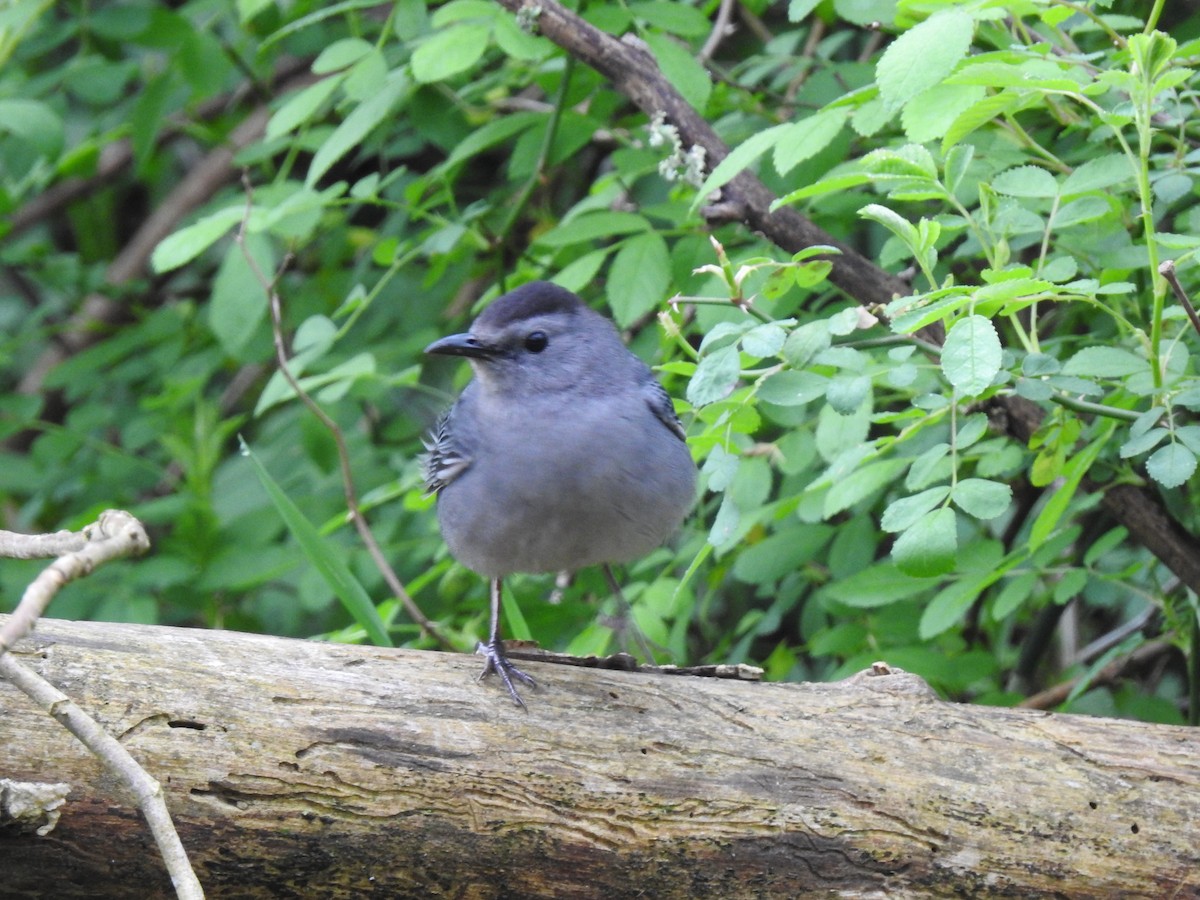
x=145, y=789
x=114, y=535
x=719, y=31
x=1053, y=696
x=1167, y=271
x=353, y=510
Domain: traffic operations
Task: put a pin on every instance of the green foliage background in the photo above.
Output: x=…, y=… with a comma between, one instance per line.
x=1027, y=166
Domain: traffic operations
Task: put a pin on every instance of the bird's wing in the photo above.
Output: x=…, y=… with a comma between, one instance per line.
x=660, y=404
x=445, y=459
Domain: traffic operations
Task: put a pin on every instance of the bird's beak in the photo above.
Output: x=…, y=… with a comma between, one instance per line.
x=461, y=345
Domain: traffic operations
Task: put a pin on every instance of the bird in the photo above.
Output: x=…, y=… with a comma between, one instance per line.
x=562, y=452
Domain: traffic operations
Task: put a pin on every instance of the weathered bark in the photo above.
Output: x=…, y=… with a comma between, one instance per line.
x=308, y=769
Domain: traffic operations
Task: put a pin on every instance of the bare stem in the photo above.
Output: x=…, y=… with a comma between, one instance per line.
x=353, y=510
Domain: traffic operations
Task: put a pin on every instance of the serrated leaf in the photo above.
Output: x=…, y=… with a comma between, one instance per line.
x=860, y=484
x=788, y=388
x=984, y=111
x=1072, y=473
x=1025, y=181
x=927, y=116
x=715, y=376
x=1104, y=173
x=592, y=226
x=929, y=546
x=971, y=355
x=808, y=137
x=1141, y=443
x=982, y=498
x=1171, y=465
x=875, y=586
x=847, y=391
x=1104, y=362
x=805, y=342
x=741, y=157
x=902, y=514
x=680, y=67
x=923, y=56
x=764, y=340
x=638, y=277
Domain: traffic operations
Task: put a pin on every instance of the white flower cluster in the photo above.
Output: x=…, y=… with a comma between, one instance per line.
x=686, y=165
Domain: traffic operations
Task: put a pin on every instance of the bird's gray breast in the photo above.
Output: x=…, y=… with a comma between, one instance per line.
x=563, y=482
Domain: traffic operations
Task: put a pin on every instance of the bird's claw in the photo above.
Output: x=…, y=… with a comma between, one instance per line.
x=499, y=663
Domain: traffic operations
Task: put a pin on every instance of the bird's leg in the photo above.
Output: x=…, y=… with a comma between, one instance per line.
x=625, y=623
x=494, y=651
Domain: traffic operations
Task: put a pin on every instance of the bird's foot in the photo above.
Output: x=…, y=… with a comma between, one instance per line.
x=499, y=663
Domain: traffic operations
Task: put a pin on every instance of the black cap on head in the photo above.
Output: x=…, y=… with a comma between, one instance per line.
x=538, y=298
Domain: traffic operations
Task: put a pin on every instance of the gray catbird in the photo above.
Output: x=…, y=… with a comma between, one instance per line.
x=562, y=452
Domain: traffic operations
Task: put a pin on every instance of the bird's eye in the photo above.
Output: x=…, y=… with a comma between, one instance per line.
x=536, y=341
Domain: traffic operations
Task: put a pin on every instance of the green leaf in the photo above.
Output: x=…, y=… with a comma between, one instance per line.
x=923, y=56
x=847, y=391
x=808, y=137
x=1105, y=362
x=929, y=114
x=741, y=157
x=1013, y=594
x=902, y=514
x=362, y=121
x=301, y=106
x=715, y=376
x=982, y=112
x=877, y=585
x=1025, y=181
x=1104, y=173
x=239, y=301
x=928, y=548
x=763, y=341
x=788, y=388
x=327, y=561
x=1072, y=474
x=677, y=18
x=982, y=498
x=971, y=356
x=947, y=607
x=860, y=484
x=958, y=159
x=448, y=52
x=680, y=67
x=34, y=122
x=805, y=342
x=639, y=277
x=783, y=552
x=592, y=226
x=340, y=54
x=187, y=243
x=800, y=9
x=1171, y=465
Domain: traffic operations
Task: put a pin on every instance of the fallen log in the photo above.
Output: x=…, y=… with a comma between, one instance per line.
x=297, y=768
